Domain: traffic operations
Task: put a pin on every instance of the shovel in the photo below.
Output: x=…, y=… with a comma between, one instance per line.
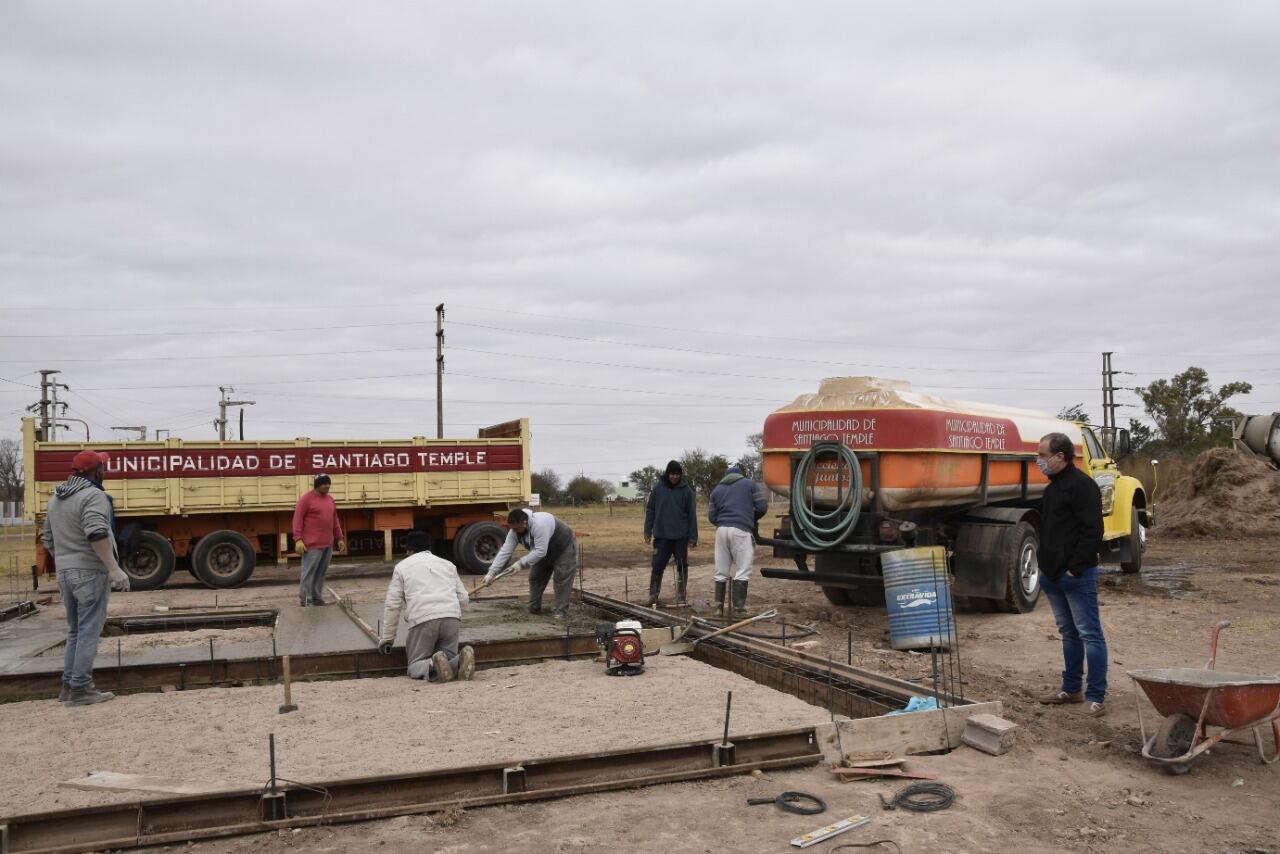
x=682, y=648
x=510, y=568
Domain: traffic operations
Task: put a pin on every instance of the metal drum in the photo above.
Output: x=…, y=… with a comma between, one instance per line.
x=917, y=595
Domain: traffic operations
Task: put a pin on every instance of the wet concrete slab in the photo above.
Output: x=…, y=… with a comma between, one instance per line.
x=297, y=630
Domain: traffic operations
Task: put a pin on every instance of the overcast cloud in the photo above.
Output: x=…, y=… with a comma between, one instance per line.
x=651, y=223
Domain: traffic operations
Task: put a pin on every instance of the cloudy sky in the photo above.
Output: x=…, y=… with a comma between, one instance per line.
x=651, y=224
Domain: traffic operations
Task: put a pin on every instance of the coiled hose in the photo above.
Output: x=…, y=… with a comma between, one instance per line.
x=815, y=529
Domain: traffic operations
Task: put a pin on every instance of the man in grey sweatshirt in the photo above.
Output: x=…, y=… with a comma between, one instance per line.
x=78, y=533
x=736, y=505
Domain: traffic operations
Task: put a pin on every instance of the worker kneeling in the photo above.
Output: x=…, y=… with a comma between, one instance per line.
x=426, y=588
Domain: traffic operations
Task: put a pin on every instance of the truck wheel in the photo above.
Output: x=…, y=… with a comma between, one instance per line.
x=150, y=563
x=1020, y=567
x=1137, y=544
x=223, y=559
x=477, y=545
x=836, y=595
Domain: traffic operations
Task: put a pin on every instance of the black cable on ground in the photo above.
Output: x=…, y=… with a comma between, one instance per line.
x=921, y=797
x=790, y=801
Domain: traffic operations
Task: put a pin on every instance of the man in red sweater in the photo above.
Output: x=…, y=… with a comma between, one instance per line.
x=316, y=530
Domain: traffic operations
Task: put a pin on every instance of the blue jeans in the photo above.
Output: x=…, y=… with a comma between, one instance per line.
x=1074, y=600
x=84, y=596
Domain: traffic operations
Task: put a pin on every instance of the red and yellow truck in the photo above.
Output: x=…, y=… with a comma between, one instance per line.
x=931, y=472
x=220, y=507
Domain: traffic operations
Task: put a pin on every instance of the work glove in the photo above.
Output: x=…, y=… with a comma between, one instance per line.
x=341, y=545
x=300, y=547
x=119, y=580
x=385, y=647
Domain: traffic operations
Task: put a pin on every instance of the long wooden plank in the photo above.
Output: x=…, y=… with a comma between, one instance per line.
x=114, y=781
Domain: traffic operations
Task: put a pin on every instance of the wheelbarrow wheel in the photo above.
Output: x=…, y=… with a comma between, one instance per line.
x=1174, y=739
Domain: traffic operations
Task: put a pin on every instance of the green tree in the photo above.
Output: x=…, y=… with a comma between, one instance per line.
x=703, y=470
x=584, y=490
x=547, y=484
x=10, y=470
x=1189, y=414
x=1074, y=412
x=1141, y=436
x=643, y=479
x=751, y=462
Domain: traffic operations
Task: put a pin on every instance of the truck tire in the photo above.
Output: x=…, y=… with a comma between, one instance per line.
x=223, y=559
x=150, y=563
x=1137, y=543
x=1020, y=568
x=477, y=545
x=836, y=595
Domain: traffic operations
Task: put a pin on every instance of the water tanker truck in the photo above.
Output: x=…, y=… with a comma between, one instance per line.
x=871, y=467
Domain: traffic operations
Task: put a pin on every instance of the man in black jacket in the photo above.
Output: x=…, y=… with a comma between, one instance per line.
x=671, y=523
x=1070, y=539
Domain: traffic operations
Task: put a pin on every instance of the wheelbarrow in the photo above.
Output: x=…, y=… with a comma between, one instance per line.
x=1191, y=700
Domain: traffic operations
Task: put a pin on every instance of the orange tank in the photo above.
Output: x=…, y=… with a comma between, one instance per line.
x=931, y=450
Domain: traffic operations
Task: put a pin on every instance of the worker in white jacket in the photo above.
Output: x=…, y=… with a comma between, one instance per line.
x=553, y=554
x=426, y=589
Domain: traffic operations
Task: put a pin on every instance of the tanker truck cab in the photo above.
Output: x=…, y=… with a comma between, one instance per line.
x=929, y=472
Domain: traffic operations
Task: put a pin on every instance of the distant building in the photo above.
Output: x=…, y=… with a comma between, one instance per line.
x=624, y=491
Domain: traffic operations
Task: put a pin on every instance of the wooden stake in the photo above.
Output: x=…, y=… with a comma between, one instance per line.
x=288, y=687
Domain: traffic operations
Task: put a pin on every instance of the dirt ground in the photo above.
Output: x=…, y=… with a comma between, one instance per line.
x=1071, y=784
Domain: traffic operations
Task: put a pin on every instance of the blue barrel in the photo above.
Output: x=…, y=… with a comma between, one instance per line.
x=917, y=595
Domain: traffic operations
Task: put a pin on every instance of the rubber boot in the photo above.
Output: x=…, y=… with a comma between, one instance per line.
x=655, y=587
x=739, y=599
x=720, y=588
x=682, y=588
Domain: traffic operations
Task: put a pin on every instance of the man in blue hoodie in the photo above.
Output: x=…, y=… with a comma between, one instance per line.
x=79, y=533
x=671, y=524
x=736, y=505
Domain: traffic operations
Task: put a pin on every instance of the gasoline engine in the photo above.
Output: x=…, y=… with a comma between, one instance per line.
x=622, y=647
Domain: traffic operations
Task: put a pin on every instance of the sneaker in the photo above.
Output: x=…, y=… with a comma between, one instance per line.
x=65, y=693
x=88, y=696
x=440, y=663
x=467, y=664
x=533, y=609
x=1094, y=710
x=1061, y=698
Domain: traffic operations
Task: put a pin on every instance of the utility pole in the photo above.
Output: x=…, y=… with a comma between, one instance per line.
x=440, y=371
x=221, y=422
x=48, y=406
x=141, y=431
x=1109, y=404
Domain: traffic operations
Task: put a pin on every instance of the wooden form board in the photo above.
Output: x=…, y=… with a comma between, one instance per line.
x=910, y=733
x=113, y=781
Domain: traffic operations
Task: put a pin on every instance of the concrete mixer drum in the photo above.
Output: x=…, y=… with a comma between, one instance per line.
x=1259, y=434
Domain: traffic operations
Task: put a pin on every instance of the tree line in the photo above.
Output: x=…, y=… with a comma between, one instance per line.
x=702, y=469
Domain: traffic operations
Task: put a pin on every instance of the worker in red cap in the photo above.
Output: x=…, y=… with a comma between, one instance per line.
x=79, y=532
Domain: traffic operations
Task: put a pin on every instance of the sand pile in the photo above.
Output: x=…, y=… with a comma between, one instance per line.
x=1226, y=494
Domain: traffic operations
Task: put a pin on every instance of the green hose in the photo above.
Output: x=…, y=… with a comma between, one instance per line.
x=819, y=530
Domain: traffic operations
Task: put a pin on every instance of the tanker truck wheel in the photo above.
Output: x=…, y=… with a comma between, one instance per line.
x=477, y=545
x=150, y=563
x=1137, y=544
x=1020, y=566
x=836, y=595
x=223, y=559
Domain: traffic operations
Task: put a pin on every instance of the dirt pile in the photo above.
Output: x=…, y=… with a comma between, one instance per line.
x=1226, y=494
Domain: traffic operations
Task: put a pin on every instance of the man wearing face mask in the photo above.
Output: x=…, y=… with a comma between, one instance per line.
x=79, y=533
x=1070, y=540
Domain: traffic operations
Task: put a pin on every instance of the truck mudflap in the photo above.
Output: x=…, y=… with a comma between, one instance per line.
x=971, y=564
